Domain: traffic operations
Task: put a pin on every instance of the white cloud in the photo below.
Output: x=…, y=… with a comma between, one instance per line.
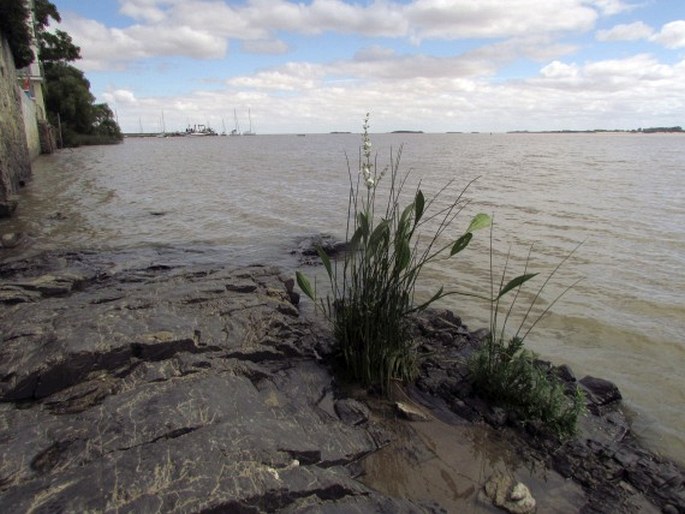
x=120, y=96
x=637, y=73
x=626, y=32
x=290, y=77
x=202, y=28
x=142, y=10
x=672, y=35
x=560, y=70
x=457, y=19
x=103, y=47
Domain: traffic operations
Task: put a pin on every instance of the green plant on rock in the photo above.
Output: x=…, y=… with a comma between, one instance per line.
x=508, y=375
x=372, y=289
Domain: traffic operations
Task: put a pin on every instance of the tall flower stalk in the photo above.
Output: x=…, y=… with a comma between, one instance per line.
x=373, y=289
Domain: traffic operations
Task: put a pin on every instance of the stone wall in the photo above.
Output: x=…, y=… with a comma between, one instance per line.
x=15, y=159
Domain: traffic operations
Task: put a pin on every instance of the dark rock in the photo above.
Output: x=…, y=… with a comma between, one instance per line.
x=565, y=373
x=352, y=412
x=600, y=392
x=8, y=206
x=171, y=389
x=307, y=249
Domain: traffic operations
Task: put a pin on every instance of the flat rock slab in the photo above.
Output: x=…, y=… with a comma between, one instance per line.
x=164, y=388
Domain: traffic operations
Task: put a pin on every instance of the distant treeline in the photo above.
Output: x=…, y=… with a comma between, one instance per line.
x=650, y=130
x=661, y=129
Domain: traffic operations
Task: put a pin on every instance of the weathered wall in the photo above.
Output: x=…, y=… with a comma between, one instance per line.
x=29, y=114
x=15, y=159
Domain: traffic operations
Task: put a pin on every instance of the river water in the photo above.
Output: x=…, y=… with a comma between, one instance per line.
x=250, y=199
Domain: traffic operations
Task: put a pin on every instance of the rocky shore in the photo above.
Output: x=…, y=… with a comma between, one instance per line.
x=136, y=382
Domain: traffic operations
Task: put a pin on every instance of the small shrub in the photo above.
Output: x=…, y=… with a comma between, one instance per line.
x=507, y=374
x=373, y=294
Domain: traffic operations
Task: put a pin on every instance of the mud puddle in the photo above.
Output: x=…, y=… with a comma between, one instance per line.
x=433, y=462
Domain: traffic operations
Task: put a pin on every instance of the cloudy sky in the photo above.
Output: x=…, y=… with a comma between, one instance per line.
x=431, y=65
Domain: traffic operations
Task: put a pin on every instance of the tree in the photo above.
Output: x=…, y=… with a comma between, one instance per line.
x=57, y=47
x=104, y=123
x=67, y=94
x=43, y=10
x=14, y=25
x=68, y=99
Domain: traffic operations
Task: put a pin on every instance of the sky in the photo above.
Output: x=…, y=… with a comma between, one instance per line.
x=314, y=66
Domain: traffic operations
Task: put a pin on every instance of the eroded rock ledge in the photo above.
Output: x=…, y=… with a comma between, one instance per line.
x=160, y=388
x=136, y=382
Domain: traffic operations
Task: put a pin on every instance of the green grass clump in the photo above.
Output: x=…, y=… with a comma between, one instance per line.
x=508, y=375
x=372, y=290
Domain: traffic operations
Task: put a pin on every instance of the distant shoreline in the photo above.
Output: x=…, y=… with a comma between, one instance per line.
x=650, y=130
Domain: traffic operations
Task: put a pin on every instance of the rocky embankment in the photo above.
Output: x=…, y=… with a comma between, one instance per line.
x=169, y=389
x=616, y=472
x=134, y=382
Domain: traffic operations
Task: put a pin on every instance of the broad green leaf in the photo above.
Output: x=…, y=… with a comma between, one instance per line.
x=520, y=280
x=419, y=204
x=461, y=243
x=479, y=221
x=403, y=255
x=380, y=233
x=304, y=284
x=326, y=261
x=354, y=241
x=403, y=222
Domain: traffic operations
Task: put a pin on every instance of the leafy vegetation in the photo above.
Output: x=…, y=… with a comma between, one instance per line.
x=373, y=294
x=69, y=102
x=14, y=25
x=372, y=297
x=507, y=374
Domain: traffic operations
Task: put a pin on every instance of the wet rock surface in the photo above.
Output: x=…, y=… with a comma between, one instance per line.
x=307, y=249
x=131, y=383
x=617, y=473
x=137, y=382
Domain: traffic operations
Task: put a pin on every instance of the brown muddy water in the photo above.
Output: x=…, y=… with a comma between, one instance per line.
x=249, y=200
x=432, y=462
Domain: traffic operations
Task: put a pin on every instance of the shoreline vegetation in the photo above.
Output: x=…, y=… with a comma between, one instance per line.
x=372, y=294
x=649, y=130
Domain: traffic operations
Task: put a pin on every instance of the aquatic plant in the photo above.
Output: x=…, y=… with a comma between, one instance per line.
x=507, y=374
x=372, y=290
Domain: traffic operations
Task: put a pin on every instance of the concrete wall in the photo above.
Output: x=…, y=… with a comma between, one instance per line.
x=30, y=116
x=15, y=159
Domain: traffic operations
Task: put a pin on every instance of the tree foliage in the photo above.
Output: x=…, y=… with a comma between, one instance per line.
x=68, y=95
x=14, y=25
x=43, y=10
x=57, y=47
